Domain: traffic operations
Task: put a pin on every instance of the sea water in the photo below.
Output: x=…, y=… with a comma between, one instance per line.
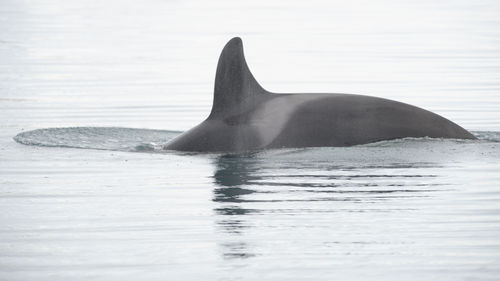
x=90, y=91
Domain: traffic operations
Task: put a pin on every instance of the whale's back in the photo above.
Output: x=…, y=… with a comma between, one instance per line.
x=344, y=120
x=245, y=116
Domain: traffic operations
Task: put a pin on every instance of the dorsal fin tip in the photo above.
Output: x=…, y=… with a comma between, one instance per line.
x=232, y=51
x=235, y=40
x=234, y=83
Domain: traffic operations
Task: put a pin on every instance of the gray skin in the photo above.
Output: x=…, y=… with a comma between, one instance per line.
x=246, y=117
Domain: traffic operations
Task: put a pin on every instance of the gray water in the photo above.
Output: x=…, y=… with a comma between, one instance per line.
x=91, y=90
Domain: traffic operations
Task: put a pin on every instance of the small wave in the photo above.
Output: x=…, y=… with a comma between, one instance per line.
x=148, y=147
x=411, y=141
x=487, y=135
x=103, y=138
x=146, y=140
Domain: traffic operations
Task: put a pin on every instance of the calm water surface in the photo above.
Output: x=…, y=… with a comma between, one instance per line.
x=88, y=198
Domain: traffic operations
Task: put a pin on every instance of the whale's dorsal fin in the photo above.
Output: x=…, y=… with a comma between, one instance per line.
x=235, y=87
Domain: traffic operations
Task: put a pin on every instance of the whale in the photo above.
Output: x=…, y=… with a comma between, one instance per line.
x=246, y=117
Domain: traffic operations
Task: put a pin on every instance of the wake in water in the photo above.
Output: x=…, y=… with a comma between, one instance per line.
x=145, y=140
x=102, y=138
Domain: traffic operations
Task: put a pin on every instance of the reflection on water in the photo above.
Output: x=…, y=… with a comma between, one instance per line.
x=284, y=183
x=232, y=172
x=235, y=170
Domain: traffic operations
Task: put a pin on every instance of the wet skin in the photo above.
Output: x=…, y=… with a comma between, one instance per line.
x=246, y=117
